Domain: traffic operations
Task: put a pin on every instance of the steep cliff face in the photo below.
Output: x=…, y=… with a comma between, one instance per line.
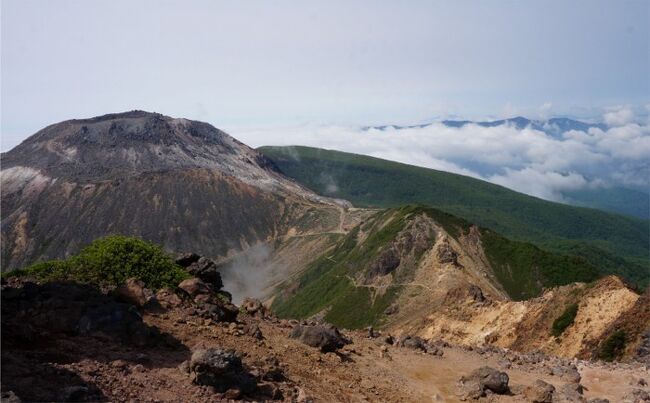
x=180, y=183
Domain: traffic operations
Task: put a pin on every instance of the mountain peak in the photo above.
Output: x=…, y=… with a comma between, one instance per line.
x=133, y=142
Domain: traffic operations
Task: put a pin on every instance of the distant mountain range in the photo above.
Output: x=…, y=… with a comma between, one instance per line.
x=631, y=201
x=553, y=126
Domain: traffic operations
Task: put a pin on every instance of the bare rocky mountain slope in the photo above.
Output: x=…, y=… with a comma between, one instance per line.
x=419, y=271
x=180, y=183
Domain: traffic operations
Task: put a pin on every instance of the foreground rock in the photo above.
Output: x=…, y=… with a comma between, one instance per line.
x=220, y=369
x=539, y=392
x=61, y=308
x=326, y=338
x=475, y=385
x=134, y=292
x=201, y=267
x=417, y=343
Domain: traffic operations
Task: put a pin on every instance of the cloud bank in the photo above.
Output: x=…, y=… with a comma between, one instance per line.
x=526, y=160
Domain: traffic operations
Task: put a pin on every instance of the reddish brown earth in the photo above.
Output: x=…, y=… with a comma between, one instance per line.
x=366, y=370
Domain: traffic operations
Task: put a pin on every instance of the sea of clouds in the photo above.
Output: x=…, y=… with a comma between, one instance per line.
x=526, y=160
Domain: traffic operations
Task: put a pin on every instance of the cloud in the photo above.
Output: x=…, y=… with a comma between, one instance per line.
x=527, y=160
x=618, y=115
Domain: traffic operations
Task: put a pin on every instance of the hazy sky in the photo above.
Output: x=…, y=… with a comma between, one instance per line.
x=241, y=63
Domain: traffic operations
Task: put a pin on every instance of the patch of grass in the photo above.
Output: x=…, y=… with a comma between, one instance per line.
x=111, y=261
x=613, y=346
x=565, y=320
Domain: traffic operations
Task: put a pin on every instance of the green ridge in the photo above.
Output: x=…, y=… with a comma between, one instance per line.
x=612, y=243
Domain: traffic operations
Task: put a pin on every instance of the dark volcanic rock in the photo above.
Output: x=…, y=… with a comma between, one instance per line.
x=220, y=369
x=413, y=342
x=326, y=338
x=206, y=270
x=33, y=311
x=195, y=287
x=481, y=380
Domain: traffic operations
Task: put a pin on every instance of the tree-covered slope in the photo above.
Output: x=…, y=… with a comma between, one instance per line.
x=612, y=243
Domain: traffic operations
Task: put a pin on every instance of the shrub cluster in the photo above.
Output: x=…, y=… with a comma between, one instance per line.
x=613, y=346
x=111, y=261
x=565, y=320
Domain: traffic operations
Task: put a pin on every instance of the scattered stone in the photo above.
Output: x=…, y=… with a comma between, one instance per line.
x=302, y=397
x=598, y=400
x=168, y=299
x=326, y=338
x=371, y=332
x=570, y=392
x=254, y=331
x=184, y=367
x=392, y=309
x=220, y=369
x=413, y=342
x=539, y=392
x=476, y=294
x=269, y=391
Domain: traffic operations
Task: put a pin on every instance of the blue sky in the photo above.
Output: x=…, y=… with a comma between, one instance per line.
x=236, y=64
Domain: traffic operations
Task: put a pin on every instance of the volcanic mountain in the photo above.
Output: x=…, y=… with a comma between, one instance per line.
x=180, y=183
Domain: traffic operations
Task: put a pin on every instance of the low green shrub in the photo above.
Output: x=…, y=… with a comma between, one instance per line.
x=613, y=346
x=111, y=261
x=565, y=320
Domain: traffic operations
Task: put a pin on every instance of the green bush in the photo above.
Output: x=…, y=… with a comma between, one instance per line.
x=565, y=320
x=111, y=261
x=613, y=346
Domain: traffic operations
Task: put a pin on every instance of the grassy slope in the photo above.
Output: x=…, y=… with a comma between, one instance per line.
x=522, y=268
x=613, y=243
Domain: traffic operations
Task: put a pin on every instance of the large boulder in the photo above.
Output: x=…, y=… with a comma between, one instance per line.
x=66, y=308
x=222, y=370
x=195, y=286
x=120, y=320
x=201, y=267
x=186, y=259
x=326, y=338
x=475, y=385
x=539, y=392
